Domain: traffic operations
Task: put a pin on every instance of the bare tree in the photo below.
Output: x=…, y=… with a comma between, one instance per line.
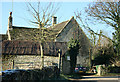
x=41, y=17
x=92, y=34
x=109, y=13
x=84, y=23
x=105, y=12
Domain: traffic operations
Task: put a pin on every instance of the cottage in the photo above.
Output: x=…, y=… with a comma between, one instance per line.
x=65, y=31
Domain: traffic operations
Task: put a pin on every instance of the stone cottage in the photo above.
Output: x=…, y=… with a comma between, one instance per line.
x=65, y=31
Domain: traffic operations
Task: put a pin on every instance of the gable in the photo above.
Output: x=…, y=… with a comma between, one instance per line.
x=71, y=30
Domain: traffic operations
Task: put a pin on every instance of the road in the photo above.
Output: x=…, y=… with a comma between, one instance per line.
x=98, y=79
x=0, y=77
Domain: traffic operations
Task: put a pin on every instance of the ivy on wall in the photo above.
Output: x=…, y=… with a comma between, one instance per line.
x=73, y=51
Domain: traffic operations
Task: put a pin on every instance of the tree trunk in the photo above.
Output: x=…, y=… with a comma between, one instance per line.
x=90, y=61
x=13, y=63
x=42, y=56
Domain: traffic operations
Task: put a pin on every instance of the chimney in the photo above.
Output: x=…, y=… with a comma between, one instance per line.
x=54, y=20
x=9, y=26
x=10, y=22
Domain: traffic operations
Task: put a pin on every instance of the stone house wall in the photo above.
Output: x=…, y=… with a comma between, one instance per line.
x=69, y=31
x=65, y=66
x=72, y=30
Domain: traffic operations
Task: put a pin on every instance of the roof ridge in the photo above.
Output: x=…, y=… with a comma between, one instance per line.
x=57, y=24
x=65, y=26
x=23, y=27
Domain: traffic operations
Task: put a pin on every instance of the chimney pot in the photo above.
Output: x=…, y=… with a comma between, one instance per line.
x=10, y=13
x=54, y=20
x=10, y=22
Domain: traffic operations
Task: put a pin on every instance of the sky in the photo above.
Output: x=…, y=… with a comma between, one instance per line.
x=66, y=11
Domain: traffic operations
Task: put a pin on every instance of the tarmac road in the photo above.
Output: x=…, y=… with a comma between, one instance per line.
x=0, y=77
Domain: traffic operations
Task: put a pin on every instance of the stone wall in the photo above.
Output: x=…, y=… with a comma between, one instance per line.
x=34, y=62
x=28, y=62
x=31, y=62
x=7, y=62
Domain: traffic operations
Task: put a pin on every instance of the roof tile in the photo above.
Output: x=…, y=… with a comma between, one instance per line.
x=16, y=47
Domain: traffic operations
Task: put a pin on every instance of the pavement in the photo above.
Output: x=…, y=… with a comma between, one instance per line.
x=98, y=79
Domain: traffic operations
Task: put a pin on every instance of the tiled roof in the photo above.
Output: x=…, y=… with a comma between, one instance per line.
x=16, y=47
x=26, y=33
x=59, y=26
x=23, y=33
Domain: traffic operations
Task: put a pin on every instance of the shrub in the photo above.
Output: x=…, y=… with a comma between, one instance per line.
x=46, y=73
x=113, y=69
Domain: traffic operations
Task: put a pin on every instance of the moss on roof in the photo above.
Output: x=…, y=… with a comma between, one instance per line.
x=23, y=33
x=26, y=33
x=59, y=26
